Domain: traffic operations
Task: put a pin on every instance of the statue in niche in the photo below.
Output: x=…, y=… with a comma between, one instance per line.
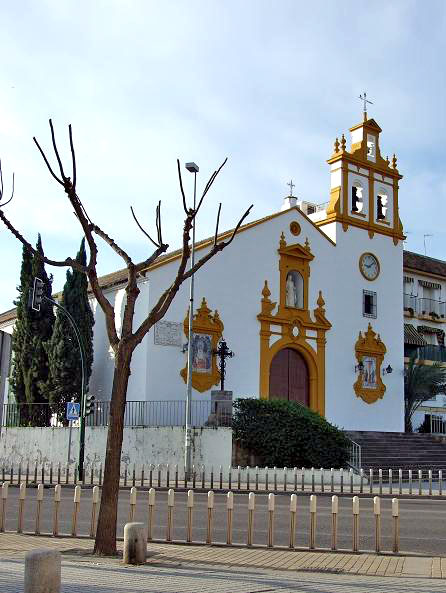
x=294, y=290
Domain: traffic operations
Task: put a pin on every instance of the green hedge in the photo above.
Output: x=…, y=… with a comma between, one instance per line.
x=285, y=434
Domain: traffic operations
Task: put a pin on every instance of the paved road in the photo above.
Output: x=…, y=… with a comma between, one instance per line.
x=422, y=527
x=83, y=577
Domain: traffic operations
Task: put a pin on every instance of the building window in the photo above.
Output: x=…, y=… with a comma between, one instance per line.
x=369, y=303
x=357, y=198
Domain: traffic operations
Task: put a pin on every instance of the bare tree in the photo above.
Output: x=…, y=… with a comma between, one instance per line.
x=124, y=345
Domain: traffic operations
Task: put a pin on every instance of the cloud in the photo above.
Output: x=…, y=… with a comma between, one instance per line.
x=268, y=84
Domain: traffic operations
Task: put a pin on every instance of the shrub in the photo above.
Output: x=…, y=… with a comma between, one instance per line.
x=286, y=434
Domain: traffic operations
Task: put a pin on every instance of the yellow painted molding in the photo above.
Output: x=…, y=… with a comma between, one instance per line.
x=370, y=350
x=209, y=328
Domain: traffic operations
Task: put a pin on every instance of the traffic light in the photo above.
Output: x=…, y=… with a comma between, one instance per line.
x=89, y=404
x=37, y=294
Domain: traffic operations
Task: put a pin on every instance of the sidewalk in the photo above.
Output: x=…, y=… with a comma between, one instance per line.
x=13, y=546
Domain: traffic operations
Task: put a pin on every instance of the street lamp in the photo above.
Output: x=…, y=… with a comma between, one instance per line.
x=192, y=168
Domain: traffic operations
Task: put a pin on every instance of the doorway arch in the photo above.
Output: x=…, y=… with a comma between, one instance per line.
x=289, y=377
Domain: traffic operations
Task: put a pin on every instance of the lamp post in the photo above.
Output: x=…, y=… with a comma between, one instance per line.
x=192, y=168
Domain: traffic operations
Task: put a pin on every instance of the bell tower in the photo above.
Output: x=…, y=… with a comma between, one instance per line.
x=364, y=185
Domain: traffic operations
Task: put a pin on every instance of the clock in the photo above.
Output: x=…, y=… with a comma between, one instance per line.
x=369, y=266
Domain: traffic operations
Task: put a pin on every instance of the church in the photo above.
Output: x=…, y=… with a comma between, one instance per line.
x=309, y=298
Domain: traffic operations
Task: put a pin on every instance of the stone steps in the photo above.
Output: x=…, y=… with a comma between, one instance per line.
x=390, y=450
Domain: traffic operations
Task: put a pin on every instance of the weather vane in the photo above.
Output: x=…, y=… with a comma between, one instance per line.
x=291, y=185
x=365, y=101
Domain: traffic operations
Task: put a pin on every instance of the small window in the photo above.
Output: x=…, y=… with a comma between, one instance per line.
x=369, y=303
x=381, y=206
x=357, y=198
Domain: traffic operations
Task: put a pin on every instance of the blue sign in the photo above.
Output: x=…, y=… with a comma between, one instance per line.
x=73, y=411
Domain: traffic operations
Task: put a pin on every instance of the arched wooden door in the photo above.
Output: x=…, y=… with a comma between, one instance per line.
x=288, y=377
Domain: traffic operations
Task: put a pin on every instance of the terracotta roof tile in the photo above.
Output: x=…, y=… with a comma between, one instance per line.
x=430, y=265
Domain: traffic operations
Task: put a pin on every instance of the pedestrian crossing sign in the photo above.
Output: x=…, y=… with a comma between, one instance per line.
x=73, y=411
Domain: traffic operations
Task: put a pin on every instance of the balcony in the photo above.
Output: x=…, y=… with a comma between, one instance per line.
x=428, y=352
x=425, y=307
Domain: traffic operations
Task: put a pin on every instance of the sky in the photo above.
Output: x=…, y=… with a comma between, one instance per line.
x=268, y=84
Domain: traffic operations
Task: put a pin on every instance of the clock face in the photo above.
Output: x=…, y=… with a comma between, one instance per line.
x=369, y=266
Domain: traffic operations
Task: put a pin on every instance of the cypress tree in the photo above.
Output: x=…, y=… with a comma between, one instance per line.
x=22, y=333
x=63, y=351
x=36, y=375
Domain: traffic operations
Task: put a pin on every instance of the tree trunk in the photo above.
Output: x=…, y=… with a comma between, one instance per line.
x=105, y=544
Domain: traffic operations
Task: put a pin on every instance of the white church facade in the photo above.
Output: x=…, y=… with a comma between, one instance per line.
x=309, y=298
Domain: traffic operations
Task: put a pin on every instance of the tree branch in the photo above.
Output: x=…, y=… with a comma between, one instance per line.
x=1, y=187
x=164, y=301
x=209, y=184
x=142, y=229
x=112, y=244
x=66, y=263
x=186, y=211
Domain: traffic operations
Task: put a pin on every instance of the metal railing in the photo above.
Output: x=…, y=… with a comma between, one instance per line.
x=137, y=413
x=431, y=352
x=355, y=460
x=424, y=306
x=437, y=424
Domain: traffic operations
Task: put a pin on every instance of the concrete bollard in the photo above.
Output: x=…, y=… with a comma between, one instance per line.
x=4, y=498
x=371, y=480
x=285, y=478
x=293, y=511
x=151, y=503
x=135, y=544
x=396, y=525
x=430, y=481
x=390, y=481
x=170, y=507
x=57, y=493
x=400, y=481
x=312, y=480
x=132, y=512
x=275, y=478
x=230, y=509
x=440, y=482
x=377, y=513
x=210, y=513
x=239, y=469
x=271, y=506
x=355, y=510
x=420, y=477
x=39, y=502
x=351, y=480
x=94, y=506
x=341, y=471
x=221, y=477
x=380, y=481
x=251, y=507
x=266, y=479
x=332, y=479
x=334, y=521
x=247, y=478
x=22, y=496
x=190, y=509
x=42, y=571
x=410, y=481
x=302, y=479
x=313, y=508
x=295, y=479
x=361, y=483
x=322, y=479
x=76, y=504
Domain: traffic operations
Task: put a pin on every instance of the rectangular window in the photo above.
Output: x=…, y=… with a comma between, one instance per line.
x=369, y=303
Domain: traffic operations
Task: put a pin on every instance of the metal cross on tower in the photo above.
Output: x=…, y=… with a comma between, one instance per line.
x=365, y=101
x=223, y=353
x=291, y=185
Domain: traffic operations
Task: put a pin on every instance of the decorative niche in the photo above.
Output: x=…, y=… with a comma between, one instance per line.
x=370, y=351
x=207, y=330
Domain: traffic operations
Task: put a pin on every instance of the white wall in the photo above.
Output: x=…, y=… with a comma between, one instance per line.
x=232, y=283
x=161, y=445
